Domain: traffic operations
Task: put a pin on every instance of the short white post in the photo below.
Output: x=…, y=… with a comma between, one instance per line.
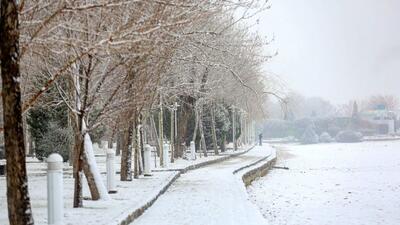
x=192, y=151
x=55, y=196
x=147, y=160
x=111, y=187
x=166, y=154
x=114, y=146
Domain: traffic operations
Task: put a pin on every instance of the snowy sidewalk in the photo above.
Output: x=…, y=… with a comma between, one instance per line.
x=131, y=196
x=208, y=196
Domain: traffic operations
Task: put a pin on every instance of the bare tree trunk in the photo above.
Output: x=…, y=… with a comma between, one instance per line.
x=184, y=113
x=154, y=129
x=196, y=125
x=161, y=133
x=201, y=129
x=223, y=141
x=26, y=135
x=172, y=125
x=119, y=143
x=72, y=145
x=83, y=163
x=142, y=142
x=141, y=152
x=18, y=201
x=135, y=145
x=213, y=131
x=234, y=129
x=78, y=162
x=126, y=156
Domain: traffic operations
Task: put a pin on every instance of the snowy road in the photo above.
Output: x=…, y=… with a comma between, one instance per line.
x=331, y=184
x=208, y=196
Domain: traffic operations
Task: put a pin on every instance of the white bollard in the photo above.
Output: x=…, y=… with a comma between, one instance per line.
x=111, y=187
x=114, y=146
x=55, y=196
x=192, y=151
x=147, y=160
x=166, y=154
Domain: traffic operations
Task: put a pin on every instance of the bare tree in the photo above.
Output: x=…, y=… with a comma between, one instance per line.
x=18, y=200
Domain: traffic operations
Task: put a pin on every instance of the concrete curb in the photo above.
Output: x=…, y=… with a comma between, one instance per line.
x=139, y=211
x=261, y=168
x=203, y=164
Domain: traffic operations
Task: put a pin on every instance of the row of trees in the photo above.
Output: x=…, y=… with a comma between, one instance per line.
x=114, y=70
x=294, y=106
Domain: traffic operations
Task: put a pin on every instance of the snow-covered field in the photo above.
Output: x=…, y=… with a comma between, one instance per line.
x=332, y=184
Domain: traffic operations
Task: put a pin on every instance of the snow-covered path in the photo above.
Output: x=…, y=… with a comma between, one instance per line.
x=331, y=184
x=208, y=196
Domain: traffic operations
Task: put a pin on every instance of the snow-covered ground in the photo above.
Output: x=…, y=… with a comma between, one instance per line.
x=130, y=196
x=332, y=184
x=211, y=195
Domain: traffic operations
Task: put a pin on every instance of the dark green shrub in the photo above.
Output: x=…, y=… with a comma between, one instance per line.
x=349, y=136
x=56, y=139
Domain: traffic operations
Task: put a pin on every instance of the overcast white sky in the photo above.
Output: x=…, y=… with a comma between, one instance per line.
x=339, y=50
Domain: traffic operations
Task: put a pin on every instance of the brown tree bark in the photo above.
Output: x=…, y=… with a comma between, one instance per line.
x=126, y=155
x=213, y=131
x=155, y=135
x=119, y=143
x=141, y=156
x=184, y=113
x=135, y=145
x=78, y=148
x=172, y=135
x=196, y=125
x=201, y=129
x=18, y=201
x=81, y=164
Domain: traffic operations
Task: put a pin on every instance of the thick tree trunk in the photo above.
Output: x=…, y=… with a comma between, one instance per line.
x=184, y=114
x=18, y=201
x=213, y=131
x=126, y=156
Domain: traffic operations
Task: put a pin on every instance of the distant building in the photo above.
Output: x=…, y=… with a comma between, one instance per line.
x=384, y=120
